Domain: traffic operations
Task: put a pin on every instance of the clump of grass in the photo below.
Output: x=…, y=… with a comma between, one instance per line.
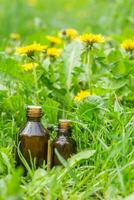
x=89, y=82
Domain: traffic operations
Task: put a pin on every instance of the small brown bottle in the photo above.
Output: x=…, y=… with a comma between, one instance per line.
x=65, y=145
x=33, y=138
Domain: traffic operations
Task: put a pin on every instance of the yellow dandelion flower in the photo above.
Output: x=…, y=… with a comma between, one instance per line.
x=54, y=40
x=69, y=33
x=14, y=36
x=91, y=38
x=81, y=95
x=128, y=45
x=53, y=52
x=29, y=66
x=29, y=50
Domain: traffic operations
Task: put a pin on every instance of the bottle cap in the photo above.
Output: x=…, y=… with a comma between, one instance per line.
x=64, y=123
x=34, y=111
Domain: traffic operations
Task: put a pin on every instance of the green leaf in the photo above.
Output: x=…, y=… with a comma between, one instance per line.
x=113, y=55
x=105, y=83
x=71, y=57
x=6, y=161
x=90, y=106
x=10, y=70
x=83, y=155
x=117, y=107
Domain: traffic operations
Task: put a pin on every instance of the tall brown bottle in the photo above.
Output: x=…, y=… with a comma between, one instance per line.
x=33, y=138
x=65, y=145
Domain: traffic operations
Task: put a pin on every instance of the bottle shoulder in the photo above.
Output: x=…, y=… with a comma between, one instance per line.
x=61, y=140
x=33, y=129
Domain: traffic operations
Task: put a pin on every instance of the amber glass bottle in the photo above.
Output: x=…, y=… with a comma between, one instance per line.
x=33, y=138
x=65, y=145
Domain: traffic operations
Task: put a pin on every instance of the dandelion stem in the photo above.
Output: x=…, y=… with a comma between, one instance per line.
x=36, y=84
x=89, y=70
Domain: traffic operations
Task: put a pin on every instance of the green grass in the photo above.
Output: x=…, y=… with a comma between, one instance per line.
x=103, y=123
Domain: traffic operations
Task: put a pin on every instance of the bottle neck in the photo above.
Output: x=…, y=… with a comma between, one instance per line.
x=33, y=119
x=65, y=132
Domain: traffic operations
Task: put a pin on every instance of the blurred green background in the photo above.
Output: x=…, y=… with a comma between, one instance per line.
x=104, y=16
